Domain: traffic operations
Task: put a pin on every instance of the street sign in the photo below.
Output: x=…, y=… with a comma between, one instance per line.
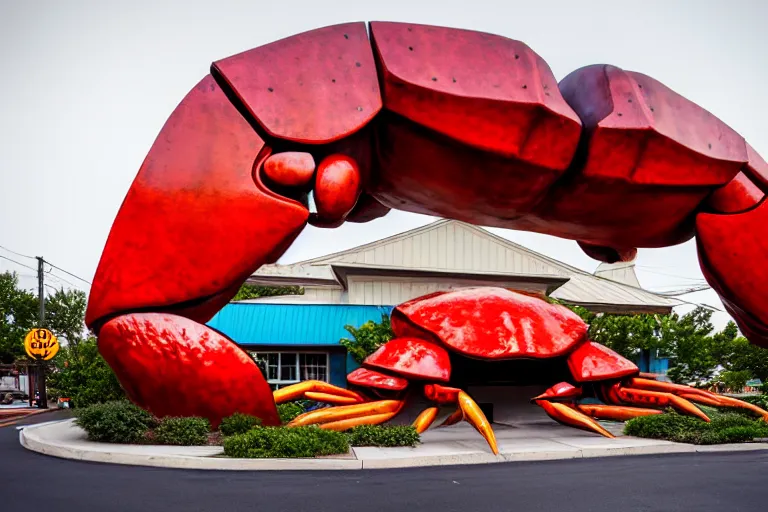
x=41, y=344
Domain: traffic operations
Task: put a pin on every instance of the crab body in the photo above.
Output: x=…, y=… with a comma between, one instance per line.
x=440, y=121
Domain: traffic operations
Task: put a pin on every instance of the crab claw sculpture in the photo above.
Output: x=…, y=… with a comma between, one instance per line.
x=446, y=122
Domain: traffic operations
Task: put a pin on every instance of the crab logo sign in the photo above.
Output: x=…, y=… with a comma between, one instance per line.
x=41, y=344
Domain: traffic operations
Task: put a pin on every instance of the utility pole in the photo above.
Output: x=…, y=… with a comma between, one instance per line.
x=43, y=402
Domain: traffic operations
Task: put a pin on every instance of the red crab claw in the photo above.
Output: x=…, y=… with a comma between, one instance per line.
x=209, y=207
x=195, y=223
x=734, y=232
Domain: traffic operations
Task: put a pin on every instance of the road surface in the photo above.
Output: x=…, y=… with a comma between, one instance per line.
x=730, y=482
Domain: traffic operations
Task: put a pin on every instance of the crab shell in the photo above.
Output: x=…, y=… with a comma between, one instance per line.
x=484, y=323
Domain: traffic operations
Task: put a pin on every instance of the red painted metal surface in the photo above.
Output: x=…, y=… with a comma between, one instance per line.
x=337, y=187
x=315, y=87
x=412, y=357
x=491, y=323
x=560, y=391
x=368, y=378
x=756, y=167
x=482, y=90
x=592, y=361
x=441, y=394
x=725, y=243
x=484, y=129
x=194, y=223
x=290, y=169
x=608, y=254
x=650, y=154
x=737, y=196
x=173, y=366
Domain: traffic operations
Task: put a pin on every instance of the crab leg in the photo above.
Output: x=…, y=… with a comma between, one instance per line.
x=454, y=418
x=299, y=390
x=425, y=419
x=373, y=419
x=475, y=417
x=697, y=395
x=615, y=412
x=571, y=417
x=345, y=412
x=655, y=399
x=331, y=399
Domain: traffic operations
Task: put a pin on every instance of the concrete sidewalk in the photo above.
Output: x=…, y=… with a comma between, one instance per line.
x=458, y=444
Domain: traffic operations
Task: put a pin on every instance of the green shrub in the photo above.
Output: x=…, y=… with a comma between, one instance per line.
x=263, y=442
x=238, y=424
x=115, y=422
x=383, y=435
x=289, y=410
x=188, y=431
x=723, y=428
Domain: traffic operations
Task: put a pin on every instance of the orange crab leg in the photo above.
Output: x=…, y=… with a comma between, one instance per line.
x=454, y=418
x=345, y=412
x=658, y=399
x=475, y=417
x=299, y=390
x=572, y=417
x=374, y=419
x=425, y=419
x=697, y=395
x=615, y=412
x=331, y=399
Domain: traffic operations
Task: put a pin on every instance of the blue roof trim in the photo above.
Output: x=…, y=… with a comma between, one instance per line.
x=292, y=324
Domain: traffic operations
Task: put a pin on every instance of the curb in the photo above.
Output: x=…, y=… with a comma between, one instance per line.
x=31, y=440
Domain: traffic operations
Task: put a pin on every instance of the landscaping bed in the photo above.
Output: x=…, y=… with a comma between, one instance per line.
x=724, y=427
x=240, y=435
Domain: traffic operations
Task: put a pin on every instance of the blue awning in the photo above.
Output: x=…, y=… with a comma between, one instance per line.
x=292, y=324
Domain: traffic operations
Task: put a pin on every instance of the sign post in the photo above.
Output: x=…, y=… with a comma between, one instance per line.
x=41, y=345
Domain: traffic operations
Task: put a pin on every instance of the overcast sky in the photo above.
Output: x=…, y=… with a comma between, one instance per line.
x=87, y=86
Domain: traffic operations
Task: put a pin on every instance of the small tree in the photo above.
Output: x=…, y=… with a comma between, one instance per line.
x=84, y=376
x=735, y=381
x=367, y=338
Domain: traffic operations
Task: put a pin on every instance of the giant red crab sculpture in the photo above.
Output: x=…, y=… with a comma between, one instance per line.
x=440, y=121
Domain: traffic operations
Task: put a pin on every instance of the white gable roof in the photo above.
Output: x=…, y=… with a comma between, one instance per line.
x=454, y=246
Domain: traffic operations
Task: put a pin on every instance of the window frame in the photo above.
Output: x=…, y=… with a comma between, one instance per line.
x=279, y=382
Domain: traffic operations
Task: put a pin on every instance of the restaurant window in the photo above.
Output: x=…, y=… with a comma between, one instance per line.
x=284, y=368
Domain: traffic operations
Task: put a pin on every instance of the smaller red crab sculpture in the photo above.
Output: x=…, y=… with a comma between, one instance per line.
x=495, y=324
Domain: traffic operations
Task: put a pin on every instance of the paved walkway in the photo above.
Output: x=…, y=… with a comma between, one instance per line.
x=459, y=444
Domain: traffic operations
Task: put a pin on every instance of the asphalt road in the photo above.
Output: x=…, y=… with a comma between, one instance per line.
x=732, y=482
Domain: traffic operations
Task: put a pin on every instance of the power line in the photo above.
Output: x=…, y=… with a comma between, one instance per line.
x=54, y=276
x=16, y=253
x=18, y=263
x=68, y=273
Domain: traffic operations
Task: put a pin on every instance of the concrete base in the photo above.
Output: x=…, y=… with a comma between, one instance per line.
x=458, y=444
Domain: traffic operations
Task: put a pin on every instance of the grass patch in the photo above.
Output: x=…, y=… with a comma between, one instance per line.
x=724, y=427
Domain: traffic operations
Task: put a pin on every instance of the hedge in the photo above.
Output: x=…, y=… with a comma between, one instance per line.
x=383, y=435
x=723, y=428
x=238, y=424
x=289, y=410
x=182, y=431
x=284, y=442
x=115, y=422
